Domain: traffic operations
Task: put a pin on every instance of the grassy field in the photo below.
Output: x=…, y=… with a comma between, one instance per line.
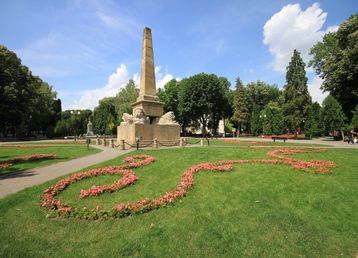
x=64, y=152
x=256, y=210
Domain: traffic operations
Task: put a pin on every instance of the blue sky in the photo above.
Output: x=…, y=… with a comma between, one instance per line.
x=90, y=49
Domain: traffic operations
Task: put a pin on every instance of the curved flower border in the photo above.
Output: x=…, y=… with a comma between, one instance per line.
x=9, y=162
x=57, y=207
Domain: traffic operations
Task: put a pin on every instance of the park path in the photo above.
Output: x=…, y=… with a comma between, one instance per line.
x=329, y=142
x=15, y=182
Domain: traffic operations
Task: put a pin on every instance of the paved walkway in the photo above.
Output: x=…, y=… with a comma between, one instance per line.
x=324, y=140
x=15, y=182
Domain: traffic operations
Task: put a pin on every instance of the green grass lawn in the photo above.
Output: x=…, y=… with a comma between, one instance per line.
x=256, y=210
x=64, y=152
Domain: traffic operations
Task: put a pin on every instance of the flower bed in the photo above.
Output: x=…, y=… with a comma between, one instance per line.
x=9, y=162
x=54, y=205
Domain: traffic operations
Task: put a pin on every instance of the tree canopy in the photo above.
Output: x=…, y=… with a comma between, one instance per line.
x=296, y=96
x=26, y=102
x=332, y=115
x=201, y=97
x=335, y=60
x=124, y=99
x=240, y=105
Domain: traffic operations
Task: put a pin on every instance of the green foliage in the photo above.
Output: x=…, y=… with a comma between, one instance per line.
x=26, y=102
x=104, y=116
x=259, y=94
x=335, y=59
x=296, y=96
x=169, y=95
x=332, y=115
x=200, y=98
x=273, y=122
x=73, y=122
x=240, y=105
x=124, y=100
x=313, y=125
x=354, y=123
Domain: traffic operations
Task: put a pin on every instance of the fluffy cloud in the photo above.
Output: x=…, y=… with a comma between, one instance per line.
x=315, y=91
x=116, y=81
x=89, y=98
x=294, y=28
x=162, y=79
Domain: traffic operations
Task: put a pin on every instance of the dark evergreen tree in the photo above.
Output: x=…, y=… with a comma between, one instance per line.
x=240, y=105
x=296, y=96
x=273, y=119
x=313, y=125
x=332, y=115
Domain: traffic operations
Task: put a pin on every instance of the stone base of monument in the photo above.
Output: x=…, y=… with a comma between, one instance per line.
x=148, y=132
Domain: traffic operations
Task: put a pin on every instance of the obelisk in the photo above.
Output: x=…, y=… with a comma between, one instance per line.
x=147, y=123
x=148, y=100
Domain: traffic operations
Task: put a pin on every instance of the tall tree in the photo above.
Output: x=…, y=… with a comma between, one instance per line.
x=25, y=100
x=313, y=125
x=296, y=96
x=104, y=116
x=335, y=60
x=273, y=119
x=332, y=115
x=125, y=98
x=223, y=107
x=169, y=95
x=259, y=94
x=240, y=105
x=354, y=123
x=199, y=96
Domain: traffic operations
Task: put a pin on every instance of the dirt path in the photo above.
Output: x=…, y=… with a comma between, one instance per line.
x=15, y=182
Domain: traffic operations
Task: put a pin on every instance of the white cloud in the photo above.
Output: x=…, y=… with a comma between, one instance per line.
x=294, y=28
x=116, y=81
x=89, y=99
x=332, y=29
x=122, y=24
x=315, y=91
x=160, y=78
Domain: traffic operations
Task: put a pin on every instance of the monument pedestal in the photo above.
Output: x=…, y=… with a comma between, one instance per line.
x=150, y=108
x=148, y=132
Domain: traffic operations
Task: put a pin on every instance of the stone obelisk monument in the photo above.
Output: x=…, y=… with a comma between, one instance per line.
x=148, y=100
x=147, y=122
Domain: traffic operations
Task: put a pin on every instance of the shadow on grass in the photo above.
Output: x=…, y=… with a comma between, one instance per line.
x=13, y=172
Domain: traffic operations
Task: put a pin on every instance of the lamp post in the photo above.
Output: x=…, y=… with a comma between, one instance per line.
x=75, y=113
x=263, y=123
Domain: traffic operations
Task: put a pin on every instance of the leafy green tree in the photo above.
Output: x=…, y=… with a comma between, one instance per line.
x=313, y=125
x=255, y=121
x=169, y=95
x=125, y=98
x=335, y=60
x=259, y=94
x=104, y=116
x=199, y=97
x=223, y=109
x=73, y=122
x=354, y=123
x=240, y=105
x=26, y=102
x=273, y=119
x=296, y=96
x=332, y=115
